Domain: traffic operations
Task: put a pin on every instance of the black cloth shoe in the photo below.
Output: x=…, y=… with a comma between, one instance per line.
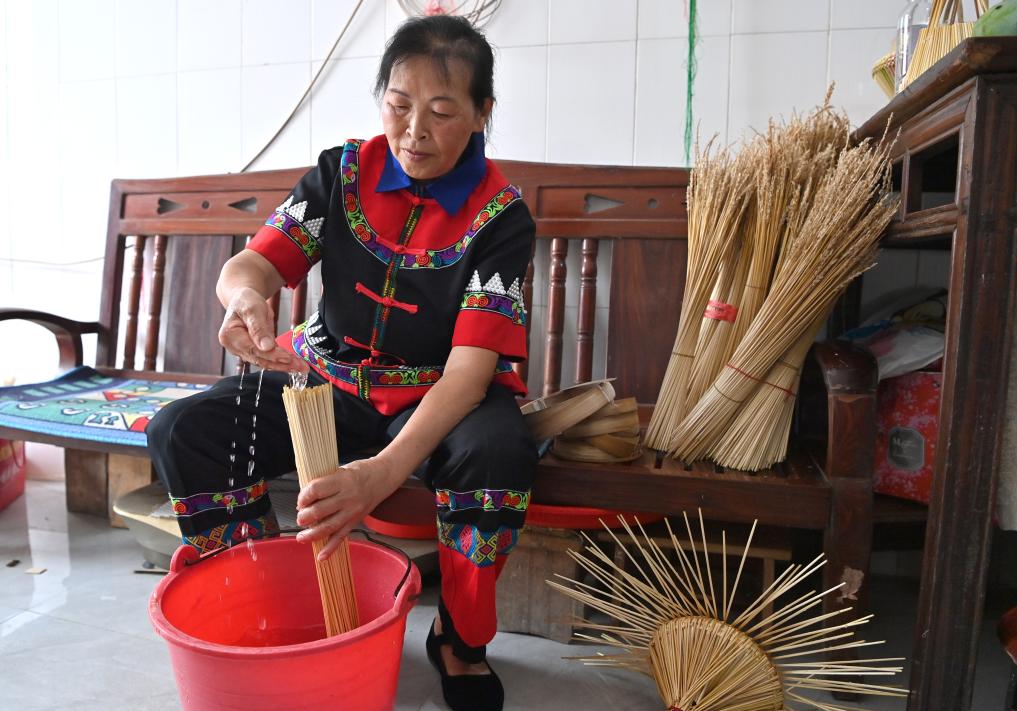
x=466, y=692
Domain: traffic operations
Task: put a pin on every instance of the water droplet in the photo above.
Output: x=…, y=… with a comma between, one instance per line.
x=250, y=468
x=250, y=450
x=227, y=583
x=233, y=458
x=231, y=482
x=254, y=436
x=262, y=624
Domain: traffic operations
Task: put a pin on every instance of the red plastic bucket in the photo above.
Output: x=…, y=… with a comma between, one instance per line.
x=246, y=631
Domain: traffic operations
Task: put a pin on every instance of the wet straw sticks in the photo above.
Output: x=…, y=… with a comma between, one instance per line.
x=312, y=427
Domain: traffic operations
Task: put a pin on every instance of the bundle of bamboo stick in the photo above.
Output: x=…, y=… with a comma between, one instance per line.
x=312, y=427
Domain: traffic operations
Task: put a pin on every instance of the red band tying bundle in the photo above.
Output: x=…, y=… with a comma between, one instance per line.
x=719, y=311
x=787, y=393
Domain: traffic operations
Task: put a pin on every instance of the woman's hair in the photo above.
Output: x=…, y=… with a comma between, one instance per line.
x=442, y=38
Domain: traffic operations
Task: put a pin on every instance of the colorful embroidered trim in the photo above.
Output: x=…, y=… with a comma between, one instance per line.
x=494, y=303
x=297, y=233
x=384, y=250
x=487, y=499
x=482, y=549
x=372, y=375
x=190, y=505
x=226, y=535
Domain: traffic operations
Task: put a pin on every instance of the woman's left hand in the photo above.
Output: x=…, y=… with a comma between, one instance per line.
x=330, y=506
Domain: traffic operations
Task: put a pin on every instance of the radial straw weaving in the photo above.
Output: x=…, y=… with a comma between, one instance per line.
x=312, y=427
x=676, y=620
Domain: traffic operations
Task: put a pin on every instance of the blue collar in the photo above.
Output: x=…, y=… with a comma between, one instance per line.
x=450, y=190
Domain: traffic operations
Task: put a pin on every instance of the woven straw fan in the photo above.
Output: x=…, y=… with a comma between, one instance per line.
x=676, y=622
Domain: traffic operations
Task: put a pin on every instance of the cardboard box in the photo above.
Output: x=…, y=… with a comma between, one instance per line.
x=12, y=471
x=907, y=424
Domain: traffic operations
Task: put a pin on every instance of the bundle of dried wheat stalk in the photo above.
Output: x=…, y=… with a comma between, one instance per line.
x=736, y=262
x=757, y=438
x=675, y=628
x=842, y=217
x=718, y=194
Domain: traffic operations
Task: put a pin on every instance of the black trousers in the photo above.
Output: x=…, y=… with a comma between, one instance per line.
x=215, y=450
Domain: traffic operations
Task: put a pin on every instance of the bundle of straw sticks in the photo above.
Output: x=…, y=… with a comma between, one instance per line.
x=776, y=233
x=312, y=427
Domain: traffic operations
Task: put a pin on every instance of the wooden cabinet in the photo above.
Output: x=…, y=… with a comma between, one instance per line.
x=956, y=167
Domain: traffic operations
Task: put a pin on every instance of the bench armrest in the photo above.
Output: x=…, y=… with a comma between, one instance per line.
x=846, y=368
x=67, y=331
x=851, y=378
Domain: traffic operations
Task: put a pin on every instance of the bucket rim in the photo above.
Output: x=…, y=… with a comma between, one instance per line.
x=401, y=606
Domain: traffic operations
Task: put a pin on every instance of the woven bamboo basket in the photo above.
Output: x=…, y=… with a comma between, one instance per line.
x=883, y=73
x=946, y=30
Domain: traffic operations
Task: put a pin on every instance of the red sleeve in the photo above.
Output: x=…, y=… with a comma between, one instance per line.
x=288, y=259
x=293, y=235
x=492, y=314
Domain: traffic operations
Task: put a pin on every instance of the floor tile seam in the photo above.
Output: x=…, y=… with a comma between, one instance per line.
x=86, y=624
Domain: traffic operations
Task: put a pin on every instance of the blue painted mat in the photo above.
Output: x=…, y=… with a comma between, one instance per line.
x=87, y=405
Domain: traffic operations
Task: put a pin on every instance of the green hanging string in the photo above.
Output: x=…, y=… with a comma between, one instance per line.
x=690, y=81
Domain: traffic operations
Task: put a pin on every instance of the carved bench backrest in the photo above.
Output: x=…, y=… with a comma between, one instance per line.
x=168, y=238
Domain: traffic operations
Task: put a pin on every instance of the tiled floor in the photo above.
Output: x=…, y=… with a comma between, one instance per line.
x=78, y=635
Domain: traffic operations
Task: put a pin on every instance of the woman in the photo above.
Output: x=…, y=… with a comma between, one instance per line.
x=423, y=245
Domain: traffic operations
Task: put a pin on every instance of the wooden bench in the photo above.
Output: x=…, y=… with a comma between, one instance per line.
x=167, y=240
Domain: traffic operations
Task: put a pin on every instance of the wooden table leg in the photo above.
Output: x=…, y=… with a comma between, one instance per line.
x=87, y=481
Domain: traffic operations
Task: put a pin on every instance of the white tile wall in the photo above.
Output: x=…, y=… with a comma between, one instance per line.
x=772, y=75
x=661, y=97
x=147, y=126
x=209, y=121
x=520, y=80
x=852, y=54
x=751, y=16
x=572, y=21
x=518, y=24
x=859, y=14
x=269, y=94
x=274, y=33
x=209, y=34
x=365, y=36
x=87, y=32
x=667, y=18
x=88, y=148
x=590, y=102
x=147, y=40
x=344, y=107
x=132, y=88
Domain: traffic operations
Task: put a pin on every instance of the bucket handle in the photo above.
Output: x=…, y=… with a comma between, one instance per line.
x=272, y=534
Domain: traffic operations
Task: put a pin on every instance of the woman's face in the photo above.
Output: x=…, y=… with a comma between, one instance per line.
x=429, y=121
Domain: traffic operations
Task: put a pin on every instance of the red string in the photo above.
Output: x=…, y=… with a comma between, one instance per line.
x=788, y=393
x=719, y=311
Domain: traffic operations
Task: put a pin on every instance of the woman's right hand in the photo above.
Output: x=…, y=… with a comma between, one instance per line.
x=247, y=330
